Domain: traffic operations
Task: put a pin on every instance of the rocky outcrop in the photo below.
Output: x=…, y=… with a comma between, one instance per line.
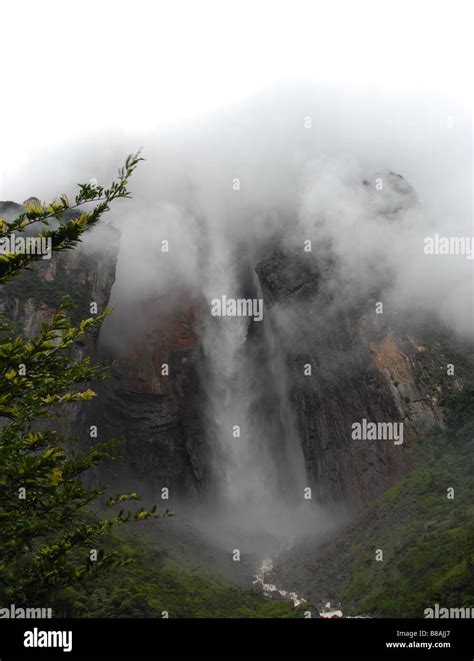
x=345, y=365
x=154, y=400
x=85, y=274
x=156, y=413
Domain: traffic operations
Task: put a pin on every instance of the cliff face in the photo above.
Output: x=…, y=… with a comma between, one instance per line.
x=86, y=274
x=156, y=413
x=154, y=399
x=363, y=366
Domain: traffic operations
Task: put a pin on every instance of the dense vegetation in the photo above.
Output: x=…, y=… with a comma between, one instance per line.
x=427, y=538
x=49, y=537
x=157, y=582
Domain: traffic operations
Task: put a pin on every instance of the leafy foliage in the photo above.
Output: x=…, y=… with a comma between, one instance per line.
x=69, y=229
x=48, y=530
x=427, y=538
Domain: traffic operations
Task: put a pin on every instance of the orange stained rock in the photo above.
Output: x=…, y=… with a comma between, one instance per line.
x=386, y=355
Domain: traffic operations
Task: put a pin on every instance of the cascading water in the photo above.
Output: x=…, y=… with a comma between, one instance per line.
x=291, y=455
x=251, y=429
x=270, y=589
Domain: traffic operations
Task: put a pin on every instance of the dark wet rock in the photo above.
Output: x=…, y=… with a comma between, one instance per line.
x=360, y=369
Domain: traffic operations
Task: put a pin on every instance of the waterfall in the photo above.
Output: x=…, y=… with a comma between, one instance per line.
x=228, y=386
x=251, y=429
x=291, y=452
